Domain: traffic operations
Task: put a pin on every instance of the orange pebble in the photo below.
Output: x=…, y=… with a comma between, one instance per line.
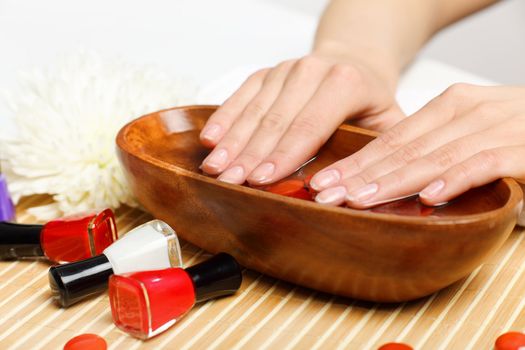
x=395, y=346
x=307, y=180
x=510, y=341
x=290, y=188
x=86, y=342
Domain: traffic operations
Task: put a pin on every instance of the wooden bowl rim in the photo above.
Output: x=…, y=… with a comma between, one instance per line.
x=515, y=193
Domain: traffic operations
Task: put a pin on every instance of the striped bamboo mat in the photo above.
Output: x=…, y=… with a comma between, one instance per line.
x=271, y=314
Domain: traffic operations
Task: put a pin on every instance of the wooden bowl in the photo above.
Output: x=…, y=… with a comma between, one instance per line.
x=377, y=256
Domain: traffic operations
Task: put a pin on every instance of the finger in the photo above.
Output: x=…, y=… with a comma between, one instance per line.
x=480, y=169
x=418, y=174
x=453, y=102
x=484, y=115
x=244, y=126
x=222, y=119
x=384, y=145
x=382, y=121
x=300, y=85
x=338, y=95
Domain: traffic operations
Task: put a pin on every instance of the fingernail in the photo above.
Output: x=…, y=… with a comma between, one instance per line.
x=263, y=173
x=433, y=189
x=217, y=159
x=325, y=179
x=234, y=175
x=211, y=132
x=363, y=194
x=331, y=195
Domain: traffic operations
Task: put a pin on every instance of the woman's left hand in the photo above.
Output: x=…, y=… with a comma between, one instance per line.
x=466, y=137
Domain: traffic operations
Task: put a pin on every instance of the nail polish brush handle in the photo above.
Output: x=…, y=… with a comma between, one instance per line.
x=19, y=240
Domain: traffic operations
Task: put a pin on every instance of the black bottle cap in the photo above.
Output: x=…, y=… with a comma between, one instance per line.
x=19, y=240
x=75, y=281
x=220, y=275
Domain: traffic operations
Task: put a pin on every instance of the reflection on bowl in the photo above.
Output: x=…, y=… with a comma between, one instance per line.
x=395, y=252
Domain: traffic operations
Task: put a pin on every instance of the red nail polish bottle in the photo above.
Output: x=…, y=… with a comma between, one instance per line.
x=67, y=239
x=147, y=303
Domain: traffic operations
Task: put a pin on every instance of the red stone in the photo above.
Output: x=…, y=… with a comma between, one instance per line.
x=510, y=341
x=86, y=342
x=395, y=346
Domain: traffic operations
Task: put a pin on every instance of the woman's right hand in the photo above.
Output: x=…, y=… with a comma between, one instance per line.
x=281, y=116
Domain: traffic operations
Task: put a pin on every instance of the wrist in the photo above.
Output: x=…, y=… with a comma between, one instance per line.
x=375, y=60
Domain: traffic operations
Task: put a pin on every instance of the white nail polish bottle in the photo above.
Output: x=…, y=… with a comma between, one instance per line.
x=151, y=246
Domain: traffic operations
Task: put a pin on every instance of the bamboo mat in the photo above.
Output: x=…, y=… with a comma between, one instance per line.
x=271, y=314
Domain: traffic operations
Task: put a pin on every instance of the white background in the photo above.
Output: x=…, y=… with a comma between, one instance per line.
x=205, y=39
x=490, y=43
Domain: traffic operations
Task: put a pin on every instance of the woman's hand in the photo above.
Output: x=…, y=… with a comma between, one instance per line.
x=464, y=138
x=280, y=117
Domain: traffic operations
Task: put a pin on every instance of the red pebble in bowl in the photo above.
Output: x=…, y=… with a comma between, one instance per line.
x=307, y=180
x=510, y=341
x=295, y=188
x=86, y=342
x=395, y=346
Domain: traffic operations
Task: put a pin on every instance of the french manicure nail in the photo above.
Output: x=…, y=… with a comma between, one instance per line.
x=234, y=175
x=263, y=173
x=363, y=194
x=325, y=179
x=217, y=159
x=211, y=132
x=333, y=195
x=433, y=189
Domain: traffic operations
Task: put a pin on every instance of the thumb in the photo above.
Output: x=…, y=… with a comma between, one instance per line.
x=381, y=121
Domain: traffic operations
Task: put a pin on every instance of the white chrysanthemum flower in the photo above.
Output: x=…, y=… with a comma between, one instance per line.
x=67, y=118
